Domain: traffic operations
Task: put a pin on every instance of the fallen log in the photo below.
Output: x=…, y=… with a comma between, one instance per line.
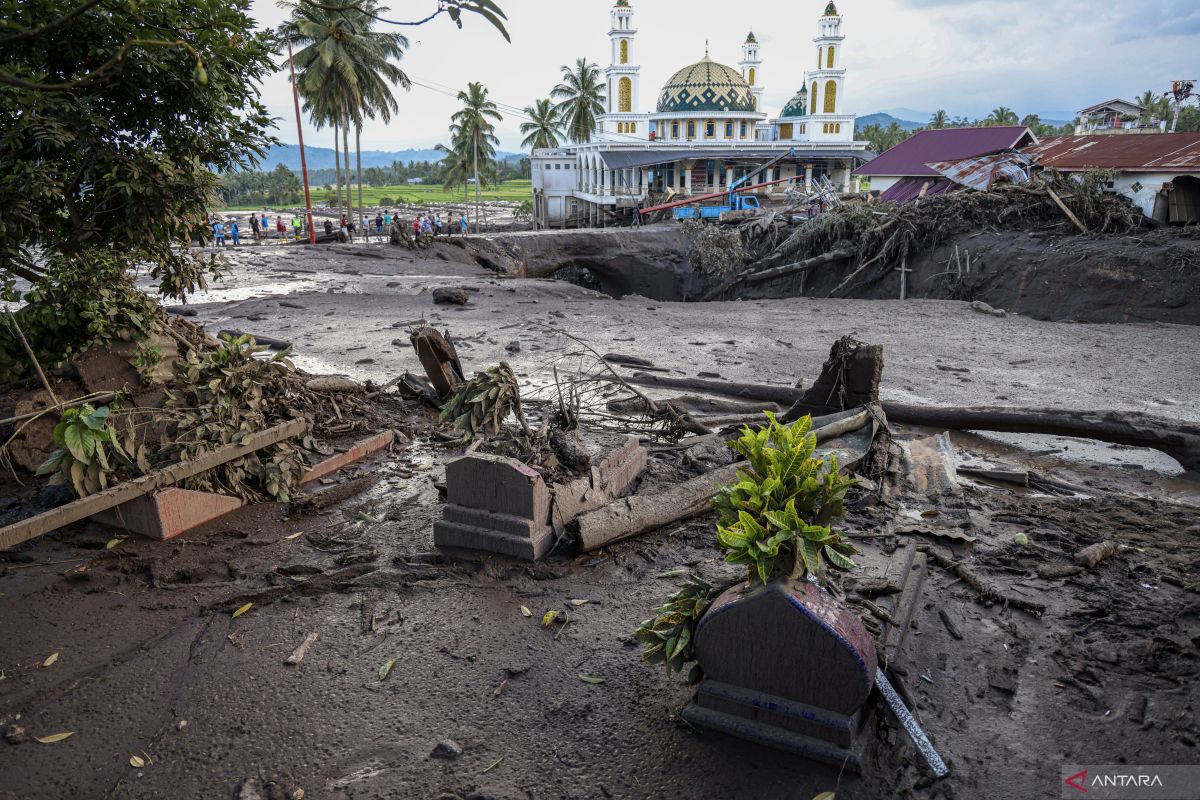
x=784, y=395
x=640, y=513
x=1180, y=440
x=52, y=520
x=777, y=272
x=266, y=341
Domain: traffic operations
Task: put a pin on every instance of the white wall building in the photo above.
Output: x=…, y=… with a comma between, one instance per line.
x=708, y=129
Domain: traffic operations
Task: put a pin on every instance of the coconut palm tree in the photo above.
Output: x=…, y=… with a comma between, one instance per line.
x=939, y=119
x=1002, y=115
x=581, y=99
x=344, y=73
x=473, y=126
x=543, y=128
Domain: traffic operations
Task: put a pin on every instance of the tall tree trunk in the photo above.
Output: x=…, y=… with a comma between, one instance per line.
x=337, y=168
x=475, y=142
x=346, y=154
x=358, y=163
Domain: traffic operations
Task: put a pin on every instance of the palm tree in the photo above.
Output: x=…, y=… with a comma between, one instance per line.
x=1002, y=115
x=472, y=126
x=456, y=166
x=581, y=99
x=344, y=72
x=543, y=128
x=939, y=119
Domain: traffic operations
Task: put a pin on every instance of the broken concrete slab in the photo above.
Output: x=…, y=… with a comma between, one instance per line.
x=169, y=513
x=364, y=448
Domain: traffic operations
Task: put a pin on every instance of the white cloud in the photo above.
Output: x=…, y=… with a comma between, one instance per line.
x=966, y=56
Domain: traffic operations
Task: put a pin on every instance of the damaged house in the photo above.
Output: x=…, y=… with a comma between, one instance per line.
x=1160, y=174
x=903, y=173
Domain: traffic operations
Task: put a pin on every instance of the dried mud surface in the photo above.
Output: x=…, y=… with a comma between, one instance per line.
x=152, y=663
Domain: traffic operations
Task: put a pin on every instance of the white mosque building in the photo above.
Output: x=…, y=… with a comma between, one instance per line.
x=708, y=129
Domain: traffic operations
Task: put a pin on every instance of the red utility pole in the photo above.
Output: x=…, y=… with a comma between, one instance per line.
x=312, y=231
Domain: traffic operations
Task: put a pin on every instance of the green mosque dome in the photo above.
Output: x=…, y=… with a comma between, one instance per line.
x=706, y=86
x=831, y=10
x=797, y=106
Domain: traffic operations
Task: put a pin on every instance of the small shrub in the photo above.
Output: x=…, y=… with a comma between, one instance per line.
x=667, y=636
x=89, y=452
x=776, y=518
x=386, y=201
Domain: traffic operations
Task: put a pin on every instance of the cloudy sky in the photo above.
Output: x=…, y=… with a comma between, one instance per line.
x=1049, y=57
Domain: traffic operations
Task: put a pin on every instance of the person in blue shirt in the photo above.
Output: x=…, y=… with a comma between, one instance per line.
x=266, y=224
x=233, y=234
x=387, y=218
x=219, y=233
x=462, y=221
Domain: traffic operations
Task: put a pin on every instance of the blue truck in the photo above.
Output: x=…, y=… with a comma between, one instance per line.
x=734, y=202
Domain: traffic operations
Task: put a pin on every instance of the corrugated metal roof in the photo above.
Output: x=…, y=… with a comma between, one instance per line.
x=910, y=157
x=982, y=173
x=1132, y=152
x=908, y=189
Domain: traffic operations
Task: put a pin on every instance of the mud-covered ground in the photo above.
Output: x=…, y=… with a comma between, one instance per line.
x=152, y=664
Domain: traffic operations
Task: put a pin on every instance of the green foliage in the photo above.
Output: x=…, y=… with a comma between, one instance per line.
x=82, y=301
x=483, y=403
x=89, y=451
x=777, y=516
x=668, y=637
x=387, y=200
x=524, y=211
x=221, y=398
x=114, y=123
x=580, y=99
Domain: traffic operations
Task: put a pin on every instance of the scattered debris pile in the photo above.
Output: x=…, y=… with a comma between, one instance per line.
x=873, y=240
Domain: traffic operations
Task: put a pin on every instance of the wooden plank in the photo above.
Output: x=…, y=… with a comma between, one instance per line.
x=1063, y=206
x=54, y=519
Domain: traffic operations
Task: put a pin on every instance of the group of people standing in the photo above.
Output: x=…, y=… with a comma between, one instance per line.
x=429, y=224
x=260, y=225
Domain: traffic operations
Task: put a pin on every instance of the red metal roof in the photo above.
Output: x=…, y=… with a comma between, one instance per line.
x=911, y=157
x=1132, y=152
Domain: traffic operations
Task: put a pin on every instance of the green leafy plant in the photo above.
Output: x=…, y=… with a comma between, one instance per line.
x=89, y=451
x=667, y=637
x=220, y=398
x=483, y=403
x=777, y=517
x=775, y=520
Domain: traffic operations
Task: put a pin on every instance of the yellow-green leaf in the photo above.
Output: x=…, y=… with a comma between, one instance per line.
x=592, y=679
x=55, y=737
x=293, y=536
x=113, y=542
x=526, y=612
x=386, y=669
x=50, y=659
x=578, y=603
x=137, y=762
x=549, y=617
x=243, y=610
x=825, y=796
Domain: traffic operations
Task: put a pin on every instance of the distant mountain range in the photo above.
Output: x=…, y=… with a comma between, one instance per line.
x=322, y=157
x=883, y=120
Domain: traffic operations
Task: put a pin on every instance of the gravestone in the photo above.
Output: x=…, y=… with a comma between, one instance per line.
x=785, y=665
x=502, y=505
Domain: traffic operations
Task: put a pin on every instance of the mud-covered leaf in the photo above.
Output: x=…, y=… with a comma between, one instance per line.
x=825, y=796
x=55, y=737
x=672, y=573
x=137, y=762
x=296, y=535
x=592, y=679
x=386, y=669
x=50, y=659
x=549, y=617
x=526, y=612
x=242, y=610
x=113, y=542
